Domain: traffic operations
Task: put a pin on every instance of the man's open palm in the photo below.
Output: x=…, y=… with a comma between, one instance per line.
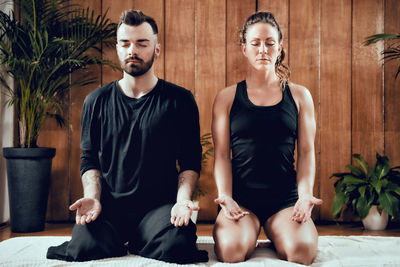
x=87, y=210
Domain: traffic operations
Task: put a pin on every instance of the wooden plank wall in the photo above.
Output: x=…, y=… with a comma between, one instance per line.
x=335, y=99
x=356, y=99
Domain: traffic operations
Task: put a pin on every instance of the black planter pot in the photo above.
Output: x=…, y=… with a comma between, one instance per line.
x=29, y=175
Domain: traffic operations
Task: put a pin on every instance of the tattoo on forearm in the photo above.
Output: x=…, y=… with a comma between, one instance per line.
x=91, y=183
x=187, y=181
x=182, y=179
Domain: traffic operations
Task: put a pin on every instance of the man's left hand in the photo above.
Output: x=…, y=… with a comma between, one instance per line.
x=181, y=212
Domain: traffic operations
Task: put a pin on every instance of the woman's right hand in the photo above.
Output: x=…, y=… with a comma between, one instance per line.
x=230, y=208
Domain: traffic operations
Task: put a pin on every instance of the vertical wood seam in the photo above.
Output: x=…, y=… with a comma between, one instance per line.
x=69, y=144
x=226, y=43
x=195, y=49
x=164, y=36
x=288, y=34
x=383, y=81
x=319, y=105
x=101, y=47
x=351, y=78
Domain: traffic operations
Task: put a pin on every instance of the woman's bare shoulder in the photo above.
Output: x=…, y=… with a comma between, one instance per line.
x=298, y=89
x=301, y=94
x=225, y=96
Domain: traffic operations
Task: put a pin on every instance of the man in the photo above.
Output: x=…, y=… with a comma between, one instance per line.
x=133, y=132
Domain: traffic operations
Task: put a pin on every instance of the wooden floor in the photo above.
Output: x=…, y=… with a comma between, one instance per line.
x=344, y=229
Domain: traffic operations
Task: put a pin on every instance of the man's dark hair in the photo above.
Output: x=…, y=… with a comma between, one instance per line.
x=135, y=18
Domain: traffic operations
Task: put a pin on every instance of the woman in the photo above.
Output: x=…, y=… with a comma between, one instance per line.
x=255, y=126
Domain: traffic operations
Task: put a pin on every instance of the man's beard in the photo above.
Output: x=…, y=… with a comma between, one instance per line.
x=137, y=69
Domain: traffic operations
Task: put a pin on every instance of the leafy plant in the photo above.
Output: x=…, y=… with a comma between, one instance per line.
x=208, y=151
x=51, y=40
x=392, y=52
x=363, y=187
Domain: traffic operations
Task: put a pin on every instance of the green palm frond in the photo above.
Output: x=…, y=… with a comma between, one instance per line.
x=380, y=37
x=208, y=149
x=51, y=40
x=392, y=52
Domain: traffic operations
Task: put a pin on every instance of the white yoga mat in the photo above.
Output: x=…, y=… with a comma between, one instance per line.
x=333, y=251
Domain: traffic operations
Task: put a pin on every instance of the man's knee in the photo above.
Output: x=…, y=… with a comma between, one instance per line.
x=86, y=250
x=89, y=242
x=162, y=241
x=175, y=244
x=179, y=246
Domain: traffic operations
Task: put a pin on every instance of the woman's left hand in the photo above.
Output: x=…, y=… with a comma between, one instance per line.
x=303, y=207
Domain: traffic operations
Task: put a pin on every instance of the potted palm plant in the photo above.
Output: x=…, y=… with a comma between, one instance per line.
x=392, y=52
x=367, y=190
x=40, y=50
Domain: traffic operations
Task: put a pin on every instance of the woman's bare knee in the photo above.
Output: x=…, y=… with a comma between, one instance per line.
x=300, y=252
x=297, y=243
x=230, y=252
x=234, y=249
x=235, y=241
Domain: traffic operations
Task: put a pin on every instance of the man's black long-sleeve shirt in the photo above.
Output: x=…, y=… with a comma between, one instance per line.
x=135, y=143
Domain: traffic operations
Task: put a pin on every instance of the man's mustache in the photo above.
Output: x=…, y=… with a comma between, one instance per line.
x=133, y=58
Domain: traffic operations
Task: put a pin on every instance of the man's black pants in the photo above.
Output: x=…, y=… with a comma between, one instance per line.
x=113, y=234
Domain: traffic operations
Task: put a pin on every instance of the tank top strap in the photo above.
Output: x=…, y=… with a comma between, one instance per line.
x=240, y=91
x=239, y=98
x=288, y=97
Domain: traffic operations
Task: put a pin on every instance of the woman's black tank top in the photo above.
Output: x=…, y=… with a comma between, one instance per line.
x=263, y=142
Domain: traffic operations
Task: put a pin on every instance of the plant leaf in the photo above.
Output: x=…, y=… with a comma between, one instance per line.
x=340, y=174
x=351, y=180
x=362, y=207
x=339, y=187
x=357, y=171
x=382, y=166
x=353, y=204
x=361, y=190
x=359, y=159
x=392, y=187
x=379, y=37
x=377, y=184
x=389, y=203
x=337, y=204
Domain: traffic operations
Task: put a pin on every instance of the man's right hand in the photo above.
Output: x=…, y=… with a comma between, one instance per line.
x=87, y=210
x=230, y=208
